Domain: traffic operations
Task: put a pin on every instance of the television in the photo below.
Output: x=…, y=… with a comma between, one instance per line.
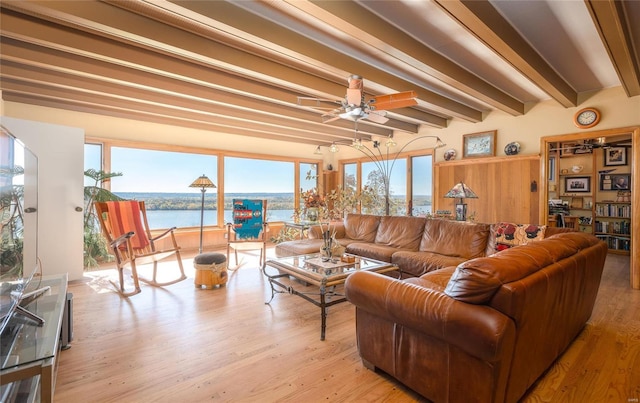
x=18, y=229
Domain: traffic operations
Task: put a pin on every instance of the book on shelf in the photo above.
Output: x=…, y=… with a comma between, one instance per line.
x=613, y=210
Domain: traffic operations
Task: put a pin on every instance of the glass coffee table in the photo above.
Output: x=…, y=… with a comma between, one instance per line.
x=314, y=270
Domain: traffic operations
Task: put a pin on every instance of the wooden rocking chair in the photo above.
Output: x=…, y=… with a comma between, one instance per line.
x=124, y=225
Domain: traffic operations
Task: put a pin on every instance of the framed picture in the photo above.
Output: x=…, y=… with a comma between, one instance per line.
x=615, y=156
x=479, y=144
x=615, y=182
x=577, y=184
x=568, y=149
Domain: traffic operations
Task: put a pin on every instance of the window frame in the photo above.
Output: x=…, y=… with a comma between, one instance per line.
x=108, y=144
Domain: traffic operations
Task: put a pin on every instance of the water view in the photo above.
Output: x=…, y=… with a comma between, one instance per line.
x=166, y=210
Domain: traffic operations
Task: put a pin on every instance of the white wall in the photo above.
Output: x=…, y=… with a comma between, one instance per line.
x=60, y=152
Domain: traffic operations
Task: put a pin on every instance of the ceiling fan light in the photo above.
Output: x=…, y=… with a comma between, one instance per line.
x=390, y=142
x=354, y=114
x=334, y=148
x=357, y=144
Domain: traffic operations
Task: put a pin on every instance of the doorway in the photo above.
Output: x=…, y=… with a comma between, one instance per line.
x=578, y=181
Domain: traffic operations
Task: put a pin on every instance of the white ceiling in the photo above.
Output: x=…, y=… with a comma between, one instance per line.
x=238, y=67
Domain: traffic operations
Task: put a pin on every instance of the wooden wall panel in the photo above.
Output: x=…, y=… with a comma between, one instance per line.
x=503, y=186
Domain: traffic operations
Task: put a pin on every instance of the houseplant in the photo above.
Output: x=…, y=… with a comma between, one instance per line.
x=95, y=247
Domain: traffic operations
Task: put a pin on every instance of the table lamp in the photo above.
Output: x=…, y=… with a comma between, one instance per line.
x=203, y=183
x=461, y=191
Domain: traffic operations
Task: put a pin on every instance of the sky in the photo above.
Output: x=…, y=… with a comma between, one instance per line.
x=173, y=172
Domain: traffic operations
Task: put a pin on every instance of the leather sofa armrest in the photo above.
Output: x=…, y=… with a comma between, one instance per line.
x=476, y=329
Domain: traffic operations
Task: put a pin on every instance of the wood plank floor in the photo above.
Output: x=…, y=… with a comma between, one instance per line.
x=181, y=344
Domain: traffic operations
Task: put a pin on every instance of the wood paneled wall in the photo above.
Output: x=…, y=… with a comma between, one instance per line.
x=503, y=186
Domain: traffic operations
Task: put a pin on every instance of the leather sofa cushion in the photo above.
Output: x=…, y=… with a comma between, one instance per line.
x=361, y=227
x=415, y=264
x=436, y=280
x=298, y=247
x=455, y=238
x=400, y=231
x=372, y=250
x=476, y=281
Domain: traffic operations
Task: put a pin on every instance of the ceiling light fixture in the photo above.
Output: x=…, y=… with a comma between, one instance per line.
x=334, y=148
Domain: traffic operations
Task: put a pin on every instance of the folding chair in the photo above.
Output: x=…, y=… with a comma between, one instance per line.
x=249, y=228
x=124, y=225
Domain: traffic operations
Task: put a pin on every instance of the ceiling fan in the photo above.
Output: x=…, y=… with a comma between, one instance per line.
x=355, y=107
x=590, y=144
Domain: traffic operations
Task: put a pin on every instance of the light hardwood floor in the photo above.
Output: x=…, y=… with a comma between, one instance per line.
x=181, y=344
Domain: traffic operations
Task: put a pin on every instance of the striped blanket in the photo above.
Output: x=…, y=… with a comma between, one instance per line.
x=124, y=217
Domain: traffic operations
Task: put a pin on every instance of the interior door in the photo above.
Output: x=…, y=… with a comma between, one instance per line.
x=60, y=153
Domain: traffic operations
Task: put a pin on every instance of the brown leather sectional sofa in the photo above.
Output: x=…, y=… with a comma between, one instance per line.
x=466, y=324
x=416, y=244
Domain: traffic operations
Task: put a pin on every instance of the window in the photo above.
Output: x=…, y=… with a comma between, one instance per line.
x=308, y=175
x=260, y=179
x=161, y=179
x=374, y=175
x=374, y=178
x=421, y=185
x=92, y=160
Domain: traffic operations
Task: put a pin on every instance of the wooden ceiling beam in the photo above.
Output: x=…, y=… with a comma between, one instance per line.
x=612, y=20
x=259, y=30
x=482, y=20
x=156, y=114
x=142, y=68
x=416, y=54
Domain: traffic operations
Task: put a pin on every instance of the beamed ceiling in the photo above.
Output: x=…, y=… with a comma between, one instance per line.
x=239, y=67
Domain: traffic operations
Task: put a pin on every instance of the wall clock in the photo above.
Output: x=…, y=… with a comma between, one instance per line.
x=586, y=118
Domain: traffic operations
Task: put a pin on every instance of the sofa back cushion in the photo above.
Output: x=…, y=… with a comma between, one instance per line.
x=400, y=232
x=476, y=281
x=455, y=238
x=361, y=227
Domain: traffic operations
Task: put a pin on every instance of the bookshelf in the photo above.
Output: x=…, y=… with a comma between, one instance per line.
x=613, y=225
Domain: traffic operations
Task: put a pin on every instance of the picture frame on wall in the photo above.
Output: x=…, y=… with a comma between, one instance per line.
x=577, y=184
x=615, y=182
x=479, y=144
x=615, y=156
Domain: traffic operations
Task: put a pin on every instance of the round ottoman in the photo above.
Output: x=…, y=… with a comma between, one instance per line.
x=211, y=270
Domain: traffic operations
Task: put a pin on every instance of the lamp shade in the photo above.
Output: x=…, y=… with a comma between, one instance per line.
x=461, y=191
x=202, y=182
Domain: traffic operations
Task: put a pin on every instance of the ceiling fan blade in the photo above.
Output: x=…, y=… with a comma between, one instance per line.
x=377, y=117
x=318, y=102
x=329, y=117
x=392, y=101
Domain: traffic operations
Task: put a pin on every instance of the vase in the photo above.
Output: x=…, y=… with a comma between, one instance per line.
x=312, y=214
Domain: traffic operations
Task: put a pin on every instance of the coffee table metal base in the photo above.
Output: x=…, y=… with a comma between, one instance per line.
x=325, y=296
x=326, y=275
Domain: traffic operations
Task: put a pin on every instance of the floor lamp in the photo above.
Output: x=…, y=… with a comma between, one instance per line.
x=203, y=183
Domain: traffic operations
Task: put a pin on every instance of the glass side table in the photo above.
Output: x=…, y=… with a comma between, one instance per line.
x=29, y=352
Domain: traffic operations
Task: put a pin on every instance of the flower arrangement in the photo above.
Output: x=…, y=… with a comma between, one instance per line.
x=312, y=198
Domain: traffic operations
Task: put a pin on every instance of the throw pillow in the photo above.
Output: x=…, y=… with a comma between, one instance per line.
x=509, y=235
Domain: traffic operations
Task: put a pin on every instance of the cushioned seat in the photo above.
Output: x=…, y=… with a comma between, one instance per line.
x=211, y=269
